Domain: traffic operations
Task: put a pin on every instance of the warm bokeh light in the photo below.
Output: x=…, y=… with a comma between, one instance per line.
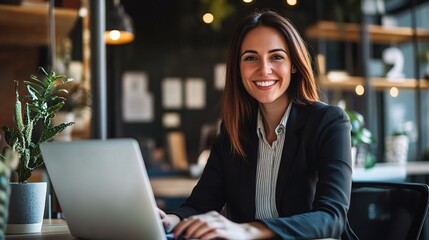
x=291, y=2
x=247, y=1
x=394, y=92
x=208, y=18
x=118, y=37
x=114, y=35
x=83, y=11
x=360, y=90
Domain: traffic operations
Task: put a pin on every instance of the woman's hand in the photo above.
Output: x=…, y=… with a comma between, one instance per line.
x=214, y=225
x=168, y=220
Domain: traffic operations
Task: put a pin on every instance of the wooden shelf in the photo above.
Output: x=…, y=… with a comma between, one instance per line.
x=352, y=32
x=29, y=25
x=351, y=82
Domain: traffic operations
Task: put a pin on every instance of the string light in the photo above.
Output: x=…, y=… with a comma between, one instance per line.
x=394, y=92
x=291, y=2
x=360, y=90
x=208, y=18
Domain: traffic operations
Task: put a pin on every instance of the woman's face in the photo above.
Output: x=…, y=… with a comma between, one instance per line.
x=265, y=65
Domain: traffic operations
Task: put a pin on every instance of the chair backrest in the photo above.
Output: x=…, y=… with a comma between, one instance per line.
x=388, y=210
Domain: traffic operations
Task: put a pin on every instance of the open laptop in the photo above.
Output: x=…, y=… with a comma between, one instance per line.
x=103, y=189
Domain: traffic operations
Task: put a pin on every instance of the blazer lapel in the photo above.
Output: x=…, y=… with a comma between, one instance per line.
x=247, y=176
x=295, y=122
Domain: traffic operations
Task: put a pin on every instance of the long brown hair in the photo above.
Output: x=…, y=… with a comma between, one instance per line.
x=239, y=109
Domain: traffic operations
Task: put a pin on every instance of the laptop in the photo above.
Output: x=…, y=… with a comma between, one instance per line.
x=103, y=189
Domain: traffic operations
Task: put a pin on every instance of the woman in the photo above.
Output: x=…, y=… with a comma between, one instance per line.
x=281, y=165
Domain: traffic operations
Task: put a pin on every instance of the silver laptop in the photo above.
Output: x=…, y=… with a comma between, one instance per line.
x=103, y=189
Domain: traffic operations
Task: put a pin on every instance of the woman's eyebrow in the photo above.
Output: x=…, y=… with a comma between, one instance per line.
x=249, y=51
x=270, y=51
x=277, y=50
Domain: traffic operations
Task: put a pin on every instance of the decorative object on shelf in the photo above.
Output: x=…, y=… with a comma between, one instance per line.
x=35, y=117
x=8, y=162
x=361, y=137
x=337, y=75
x=394, y=56
x=397, y=148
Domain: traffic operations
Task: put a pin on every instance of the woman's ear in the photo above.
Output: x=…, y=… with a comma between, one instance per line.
x=293, y=69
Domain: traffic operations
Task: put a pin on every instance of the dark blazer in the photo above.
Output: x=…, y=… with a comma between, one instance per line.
x=313, y=185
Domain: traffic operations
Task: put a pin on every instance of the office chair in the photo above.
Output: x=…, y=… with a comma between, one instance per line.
x=388, y=210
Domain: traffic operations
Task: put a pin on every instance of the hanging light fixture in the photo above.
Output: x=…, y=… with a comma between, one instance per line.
x=119, y=27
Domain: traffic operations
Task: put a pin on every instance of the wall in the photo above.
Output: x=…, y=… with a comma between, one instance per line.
x=16, y=63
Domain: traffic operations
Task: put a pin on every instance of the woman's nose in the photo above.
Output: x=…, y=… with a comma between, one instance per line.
x=265, y=67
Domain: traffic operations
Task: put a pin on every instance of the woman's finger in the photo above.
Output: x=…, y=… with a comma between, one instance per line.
x=182, y=226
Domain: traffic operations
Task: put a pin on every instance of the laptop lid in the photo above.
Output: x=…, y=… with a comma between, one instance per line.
x=103, y=189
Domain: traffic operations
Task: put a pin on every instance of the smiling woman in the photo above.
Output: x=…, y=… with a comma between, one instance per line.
x=265, y=67
x=276, y=141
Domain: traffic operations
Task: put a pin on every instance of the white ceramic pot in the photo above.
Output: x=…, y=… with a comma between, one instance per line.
x=26, y=207
x=397, y=149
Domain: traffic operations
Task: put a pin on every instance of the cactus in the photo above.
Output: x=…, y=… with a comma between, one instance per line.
x=40, y=105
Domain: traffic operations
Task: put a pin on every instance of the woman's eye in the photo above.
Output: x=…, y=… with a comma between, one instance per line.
x=249, y=58
x=277, y=57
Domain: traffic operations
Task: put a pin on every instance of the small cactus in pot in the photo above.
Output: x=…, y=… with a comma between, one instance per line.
x=34, y=112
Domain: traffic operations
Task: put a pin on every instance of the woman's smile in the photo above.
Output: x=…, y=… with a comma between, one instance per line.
x=265, y=84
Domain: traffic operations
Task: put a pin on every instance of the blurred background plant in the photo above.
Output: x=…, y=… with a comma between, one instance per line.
x=362, y=139
x=77, y=97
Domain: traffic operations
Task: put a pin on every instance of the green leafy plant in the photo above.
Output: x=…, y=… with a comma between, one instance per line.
x=40, y=105
x=361, y=136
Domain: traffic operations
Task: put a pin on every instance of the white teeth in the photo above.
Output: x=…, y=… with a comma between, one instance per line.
x=265, y=83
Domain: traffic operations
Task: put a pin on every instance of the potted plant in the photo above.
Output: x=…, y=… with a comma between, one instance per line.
x=33, y=125
x=360, y=136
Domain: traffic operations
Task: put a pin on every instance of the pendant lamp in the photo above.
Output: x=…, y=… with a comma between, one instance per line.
x=119, y=27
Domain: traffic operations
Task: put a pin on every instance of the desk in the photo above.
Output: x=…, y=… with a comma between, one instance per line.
x=52, y=229
x=171, y=192
x=172, y=186
x=390, y=171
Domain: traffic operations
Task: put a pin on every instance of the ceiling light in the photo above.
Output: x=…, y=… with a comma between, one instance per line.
x=119, y=27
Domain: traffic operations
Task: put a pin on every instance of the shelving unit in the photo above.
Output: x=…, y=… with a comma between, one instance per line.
x=352, y=48
x=351, y=32
x=376, y=82
x=29, y=25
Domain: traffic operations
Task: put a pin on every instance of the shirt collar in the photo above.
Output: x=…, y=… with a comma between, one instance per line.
x=280, y=129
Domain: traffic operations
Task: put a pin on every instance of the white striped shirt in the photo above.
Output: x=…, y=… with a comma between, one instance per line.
x=269, y=157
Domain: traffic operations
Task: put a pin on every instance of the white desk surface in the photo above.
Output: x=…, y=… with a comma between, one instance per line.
x=390, y=171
